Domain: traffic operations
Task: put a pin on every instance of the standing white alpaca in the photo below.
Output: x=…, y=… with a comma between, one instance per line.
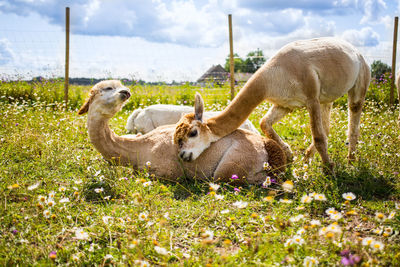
x=309, y=73
x=151, y=117
x=242, y=153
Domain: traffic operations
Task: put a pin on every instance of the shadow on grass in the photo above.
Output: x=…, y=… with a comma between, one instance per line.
x=364, y=182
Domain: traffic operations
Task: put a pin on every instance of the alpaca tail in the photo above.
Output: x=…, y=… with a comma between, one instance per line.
x=276, y=157
x=130, y=123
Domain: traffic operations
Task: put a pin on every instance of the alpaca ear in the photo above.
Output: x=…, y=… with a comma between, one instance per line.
x=198, y=107
x=85, y=107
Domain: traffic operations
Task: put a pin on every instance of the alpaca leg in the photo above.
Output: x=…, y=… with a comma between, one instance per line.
x=274, y=114
x=318, y=132
x=355, y=102
x=326, y=113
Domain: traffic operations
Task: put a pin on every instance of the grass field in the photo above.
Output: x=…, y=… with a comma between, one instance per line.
x=62, y=204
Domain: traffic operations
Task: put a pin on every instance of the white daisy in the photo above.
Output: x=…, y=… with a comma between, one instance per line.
x=349, y=196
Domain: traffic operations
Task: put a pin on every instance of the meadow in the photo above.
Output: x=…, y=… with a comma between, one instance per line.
x=62, y=204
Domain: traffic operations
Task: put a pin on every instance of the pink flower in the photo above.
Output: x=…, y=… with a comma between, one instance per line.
x=234, y=177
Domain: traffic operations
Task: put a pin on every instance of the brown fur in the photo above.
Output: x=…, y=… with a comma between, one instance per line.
x=276, y=156
x=183, y=128
x=309, y=73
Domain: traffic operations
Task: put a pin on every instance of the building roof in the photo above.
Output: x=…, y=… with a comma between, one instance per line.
x=215, y=73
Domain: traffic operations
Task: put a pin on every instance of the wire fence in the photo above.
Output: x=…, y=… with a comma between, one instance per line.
x=27, y=54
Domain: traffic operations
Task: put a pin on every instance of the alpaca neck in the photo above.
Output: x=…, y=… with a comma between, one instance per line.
x=113, y=147
x=249, y=97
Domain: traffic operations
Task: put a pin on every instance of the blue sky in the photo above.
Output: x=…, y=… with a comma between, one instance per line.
x=177, y=40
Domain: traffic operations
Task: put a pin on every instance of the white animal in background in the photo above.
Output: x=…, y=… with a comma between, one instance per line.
x=308, y=73
x=151, y=117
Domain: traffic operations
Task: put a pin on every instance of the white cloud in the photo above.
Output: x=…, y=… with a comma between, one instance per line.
x=372, y=10
x=365, y=37
x=6, y=53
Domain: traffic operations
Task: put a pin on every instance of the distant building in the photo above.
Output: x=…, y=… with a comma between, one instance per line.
x=214, y=75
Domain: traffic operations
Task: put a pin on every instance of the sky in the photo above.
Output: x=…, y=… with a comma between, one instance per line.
x=160, y=40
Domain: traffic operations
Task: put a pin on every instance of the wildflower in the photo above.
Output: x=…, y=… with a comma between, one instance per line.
x=240, y=204
x=300, y=231
x=42, y=199
x=50, y=202
x=148, y=164
x=351, y=212
x=52, y=194
x=212, y=193
x=143, y=216
x=377, y=245
x=306, y=199
x=289, y=242
x=300, y=208
x=108, y=257
x=234, y=177
x=34, y=186
x=219, y=197
x=391, y=215
x=237, y=190
x=62, y=189
x=64, y=200
x=314, y=223
x=213, y=187
x=285, y=200
x=296, y=218
x=367, y=241
x=207, y=236
x=146, y=184
x=161, y=250
x=53, y=255
x=320, y=197
x=267, y=167
x=310, y=261
x=387, y=231
x=349, y=259
x=227, y=242
x=349, y=196
x=268, y=198
x=254, y=215
x=331, y=211
x=75, y=257
x=336, y=216
x=380, y=216
x=287, y=186
x=81, y=234
x=224, y=211
x=377, y=231
x=106, y=219
x=267, y=182
x=99, y=190
x=141, y=263
x=13, y=186
x=78, y=181
x=298, y=240
x=46, y=213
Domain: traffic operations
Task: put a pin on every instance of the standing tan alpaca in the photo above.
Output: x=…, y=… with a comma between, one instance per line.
x=242, y=152
x=310, y=73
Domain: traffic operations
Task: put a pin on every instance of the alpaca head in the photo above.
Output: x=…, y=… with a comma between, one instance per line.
x=106, y=98
x=191, y=134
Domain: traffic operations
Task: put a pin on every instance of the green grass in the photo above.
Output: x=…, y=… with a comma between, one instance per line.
x=42, y=143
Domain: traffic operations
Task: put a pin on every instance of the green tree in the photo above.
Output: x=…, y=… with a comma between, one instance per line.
x=238, y=63
x=378, y=68
x=254, y=60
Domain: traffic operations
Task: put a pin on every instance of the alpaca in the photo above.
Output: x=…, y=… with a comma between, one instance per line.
x=309, y=73
x=147, y=119
x=242, y=152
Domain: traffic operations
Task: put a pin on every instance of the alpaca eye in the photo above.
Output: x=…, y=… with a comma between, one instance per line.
x=108, y=89
x=193, y=133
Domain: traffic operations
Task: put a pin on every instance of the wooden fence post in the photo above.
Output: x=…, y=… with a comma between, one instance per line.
x=396, y=22
x=232, y=64
x=66, y=79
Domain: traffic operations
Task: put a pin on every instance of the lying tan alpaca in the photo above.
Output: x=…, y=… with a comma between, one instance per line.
x=242, y=152
x=310, y=73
